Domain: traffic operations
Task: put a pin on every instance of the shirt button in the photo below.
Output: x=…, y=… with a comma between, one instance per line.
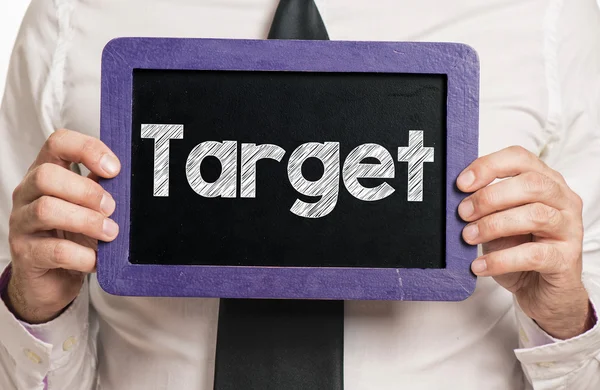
x=545, y=364
x=34, y=357
x=69, y=344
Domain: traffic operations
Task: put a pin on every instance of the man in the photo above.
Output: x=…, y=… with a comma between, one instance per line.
x=531, y=322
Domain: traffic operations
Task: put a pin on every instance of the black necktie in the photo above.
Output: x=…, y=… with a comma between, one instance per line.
x=298, y=19
x=282, y=344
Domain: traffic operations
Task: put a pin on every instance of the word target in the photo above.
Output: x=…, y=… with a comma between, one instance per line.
x=326, y=188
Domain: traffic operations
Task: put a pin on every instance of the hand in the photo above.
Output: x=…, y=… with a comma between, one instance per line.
x=56, y=220
x=531, y=229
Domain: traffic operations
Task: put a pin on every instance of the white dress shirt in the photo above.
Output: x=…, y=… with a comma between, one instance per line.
x=540, y=88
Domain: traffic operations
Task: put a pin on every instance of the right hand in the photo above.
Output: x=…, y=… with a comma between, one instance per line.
x=56, y=220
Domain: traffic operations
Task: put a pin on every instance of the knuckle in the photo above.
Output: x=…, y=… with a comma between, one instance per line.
x=94, y=221
x=484, y=199
x=483, y=166
x=539, y=254
x=515, y=148
x=87, y=145
x=42, y=175
x=553, y=188
x=42, y=208
x=16, y=194
x=60, y=253
x=573, y=254
x=520, y=152
x=38, y=251
x=558, y=177
x=579, y=233
x=55, y=139
x=564, y=266
x=13, y=221
x=555, y=218
x=17, y=247
x=495, y=262
x=557, y=260
x=90, y=147
x=540, y=214
x=578, y=202
x=490, y=226
x=537, y=183
x=93, y=192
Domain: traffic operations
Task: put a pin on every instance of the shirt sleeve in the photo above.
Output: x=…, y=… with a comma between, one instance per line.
x=58, y=355
x=572, y=51
x=54, y=355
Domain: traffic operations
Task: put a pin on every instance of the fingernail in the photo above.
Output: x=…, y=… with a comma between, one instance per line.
x=466, y=209
x=107, y=204
x=479, y=266
x=465, y=179
x=109, y=164
x=110, y=228
x=470, y=232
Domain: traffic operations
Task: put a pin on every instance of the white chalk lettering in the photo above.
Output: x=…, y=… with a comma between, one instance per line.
x=161, y=135
x=225, y=186
x=325, y=189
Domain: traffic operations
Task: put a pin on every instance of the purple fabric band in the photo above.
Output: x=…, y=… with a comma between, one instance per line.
x=5, y=278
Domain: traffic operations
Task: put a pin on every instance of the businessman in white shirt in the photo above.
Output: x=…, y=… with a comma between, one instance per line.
x=531, y=322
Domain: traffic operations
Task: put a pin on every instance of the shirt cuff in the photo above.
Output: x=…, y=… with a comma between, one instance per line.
x=39, y=349
x=545, y=357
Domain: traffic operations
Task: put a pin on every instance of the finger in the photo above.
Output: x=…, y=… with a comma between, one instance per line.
x=531, y=256
x=507, y=162
x=535, y=218
x=52, y=253
x=48, y=213
x=526, y=188
x=65, y=146
x=56, y=181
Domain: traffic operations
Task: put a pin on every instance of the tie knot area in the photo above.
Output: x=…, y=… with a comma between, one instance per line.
x=298, y=19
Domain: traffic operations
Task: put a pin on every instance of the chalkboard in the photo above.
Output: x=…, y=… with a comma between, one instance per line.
x=288, y=109
x=288, y=169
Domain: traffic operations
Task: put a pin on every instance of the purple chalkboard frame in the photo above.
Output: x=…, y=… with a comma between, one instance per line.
x=458, y=61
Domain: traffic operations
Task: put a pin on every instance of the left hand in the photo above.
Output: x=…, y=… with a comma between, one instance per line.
x=531, y=229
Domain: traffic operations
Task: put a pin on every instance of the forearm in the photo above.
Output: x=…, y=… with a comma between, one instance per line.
x=578, y=318
x=16, y=299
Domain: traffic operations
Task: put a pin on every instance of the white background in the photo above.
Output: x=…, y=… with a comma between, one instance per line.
x=11, y=13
